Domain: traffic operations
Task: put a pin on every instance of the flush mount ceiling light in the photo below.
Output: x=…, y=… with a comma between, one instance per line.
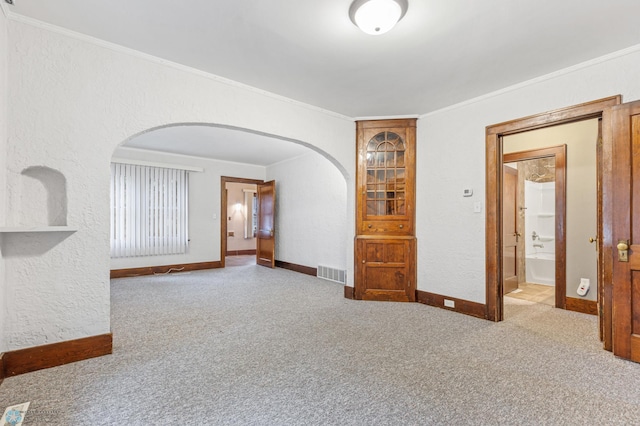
x=377, y=16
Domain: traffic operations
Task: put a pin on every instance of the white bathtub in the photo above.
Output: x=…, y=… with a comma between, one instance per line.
x=541, y=268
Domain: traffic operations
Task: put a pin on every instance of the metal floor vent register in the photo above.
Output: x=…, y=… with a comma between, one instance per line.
x=332, y=274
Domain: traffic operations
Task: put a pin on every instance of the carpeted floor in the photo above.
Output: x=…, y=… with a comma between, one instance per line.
x=254, y=346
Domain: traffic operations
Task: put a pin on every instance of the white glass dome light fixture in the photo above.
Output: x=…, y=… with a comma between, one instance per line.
x=377, y=16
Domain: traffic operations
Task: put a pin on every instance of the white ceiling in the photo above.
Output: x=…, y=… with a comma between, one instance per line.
x=218, y=143
x=441, y=53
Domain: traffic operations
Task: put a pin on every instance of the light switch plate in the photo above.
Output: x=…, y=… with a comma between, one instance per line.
x=477, y=207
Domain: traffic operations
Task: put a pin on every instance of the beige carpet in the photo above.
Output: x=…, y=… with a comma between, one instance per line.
x=254, y=346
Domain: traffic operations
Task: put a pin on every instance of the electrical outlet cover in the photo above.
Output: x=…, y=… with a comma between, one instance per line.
x=583, y=288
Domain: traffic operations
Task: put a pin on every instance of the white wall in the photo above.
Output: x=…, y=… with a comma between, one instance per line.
x=204, y=206
x=3, y=150
x=3, y=114
x=73, y=100
x=236, y=219
x=581, y=202
x=312, y=217
x=451, y=156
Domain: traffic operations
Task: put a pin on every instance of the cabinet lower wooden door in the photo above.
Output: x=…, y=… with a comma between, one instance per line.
x=385, y=269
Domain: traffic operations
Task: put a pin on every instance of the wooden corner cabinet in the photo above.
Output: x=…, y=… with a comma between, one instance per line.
x=385, y=246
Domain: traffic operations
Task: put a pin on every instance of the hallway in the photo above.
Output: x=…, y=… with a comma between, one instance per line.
x=241, y=260
x=536, y=293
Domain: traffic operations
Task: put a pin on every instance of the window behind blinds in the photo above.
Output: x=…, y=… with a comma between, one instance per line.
x=148, y=210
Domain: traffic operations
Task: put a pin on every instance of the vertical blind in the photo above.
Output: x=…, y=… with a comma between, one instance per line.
x=148, y=210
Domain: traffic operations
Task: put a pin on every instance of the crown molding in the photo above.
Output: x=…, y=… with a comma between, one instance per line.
x=4, y=8
x=387, y=117
x=536, y=80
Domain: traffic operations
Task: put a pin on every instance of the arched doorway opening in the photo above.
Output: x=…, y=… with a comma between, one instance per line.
x=313, y=219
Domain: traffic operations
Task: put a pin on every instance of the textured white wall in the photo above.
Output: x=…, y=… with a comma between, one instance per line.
x=451, y=156
x=3, y=165
x=72, y=102
x=582, y=221
x=204, y=205
x=3, y=115
x=312, y=216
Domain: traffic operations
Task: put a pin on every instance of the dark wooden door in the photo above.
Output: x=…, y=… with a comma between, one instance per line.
x=386, y=268
x=509, y=230
x=266, y=238
x=626, y=231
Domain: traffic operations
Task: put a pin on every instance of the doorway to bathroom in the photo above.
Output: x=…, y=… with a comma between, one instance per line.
x=576, y=262
x=534, y=215
x=583, y=206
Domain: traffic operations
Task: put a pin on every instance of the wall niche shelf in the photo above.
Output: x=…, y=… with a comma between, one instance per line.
x=44, y=228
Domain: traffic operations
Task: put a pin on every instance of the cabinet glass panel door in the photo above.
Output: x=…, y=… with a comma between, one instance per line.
x=385, y=175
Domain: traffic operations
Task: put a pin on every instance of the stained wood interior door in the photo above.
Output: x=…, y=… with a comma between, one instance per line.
x=604, y=299
x=266, y=238
x=626, y=230
x=509, y=229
